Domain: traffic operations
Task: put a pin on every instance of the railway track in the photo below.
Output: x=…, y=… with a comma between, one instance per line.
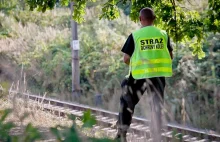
x=139, y=129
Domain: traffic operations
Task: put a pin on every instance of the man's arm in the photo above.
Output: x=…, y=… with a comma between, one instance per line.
x=126, y=59
x=128, y=49
x=170, y=48
x=171, y=54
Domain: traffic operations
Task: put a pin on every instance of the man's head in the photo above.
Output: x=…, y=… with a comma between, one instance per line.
x=147, y=16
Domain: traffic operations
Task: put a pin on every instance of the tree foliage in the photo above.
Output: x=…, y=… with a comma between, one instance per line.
x=182, y=24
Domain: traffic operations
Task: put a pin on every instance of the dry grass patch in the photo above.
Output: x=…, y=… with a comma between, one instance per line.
x=41, y=119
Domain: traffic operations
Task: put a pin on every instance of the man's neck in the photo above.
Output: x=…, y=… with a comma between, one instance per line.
x=146, y=25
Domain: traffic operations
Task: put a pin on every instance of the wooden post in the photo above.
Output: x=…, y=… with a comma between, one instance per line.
x=75, y=57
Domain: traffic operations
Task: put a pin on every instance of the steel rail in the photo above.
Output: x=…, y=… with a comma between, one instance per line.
x=106, y=118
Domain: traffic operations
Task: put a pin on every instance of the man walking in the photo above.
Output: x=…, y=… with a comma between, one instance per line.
x=148, y=53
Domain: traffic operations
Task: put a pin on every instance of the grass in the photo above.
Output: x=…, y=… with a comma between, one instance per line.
x=43, y=120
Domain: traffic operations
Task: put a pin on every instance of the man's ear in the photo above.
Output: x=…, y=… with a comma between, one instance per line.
x=140, y=18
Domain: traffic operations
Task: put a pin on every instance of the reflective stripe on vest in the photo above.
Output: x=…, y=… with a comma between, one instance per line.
x=152, y=61
x=152, y=70
x=151, y=57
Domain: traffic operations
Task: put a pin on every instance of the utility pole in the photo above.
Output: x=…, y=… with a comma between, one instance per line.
x=75, y=57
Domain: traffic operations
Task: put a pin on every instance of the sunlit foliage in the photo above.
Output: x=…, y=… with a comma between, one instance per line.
x=181, y=23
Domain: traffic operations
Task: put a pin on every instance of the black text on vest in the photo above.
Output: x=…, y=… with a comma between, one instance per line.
x=152, y=44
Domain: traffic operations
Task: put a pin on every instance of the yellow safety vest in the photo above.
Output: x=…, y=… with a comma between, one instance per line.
x=151, y=57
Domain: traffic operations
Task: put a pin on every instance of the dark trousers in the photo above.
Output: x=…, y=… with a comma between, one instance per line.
x=132, y=90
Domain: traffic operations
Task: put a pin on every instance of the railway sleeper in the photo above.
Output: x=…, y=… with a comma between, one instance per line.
x=139, y=127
